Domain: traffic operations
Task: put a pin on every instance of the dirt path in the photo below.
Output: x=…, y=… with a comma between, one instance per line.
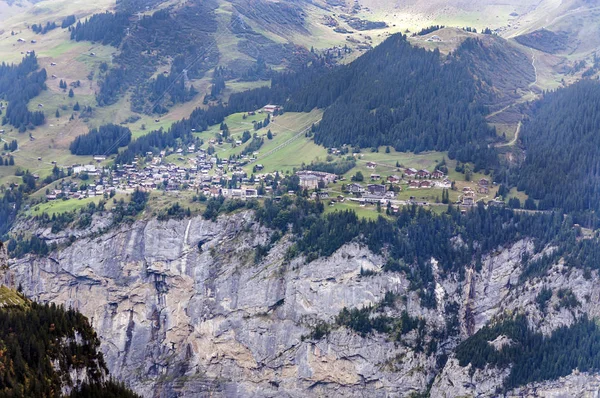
x=534, y=70
x=514, y=140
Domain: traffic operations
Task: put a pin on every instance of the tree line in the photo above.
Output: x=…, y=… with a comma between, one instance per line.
x=105, y=140
x=41, y=344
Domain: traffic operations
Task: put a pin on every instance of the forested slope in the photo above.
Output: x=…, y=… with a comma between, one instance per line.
x=402, y=96
x=562, y=143
x=40, y=347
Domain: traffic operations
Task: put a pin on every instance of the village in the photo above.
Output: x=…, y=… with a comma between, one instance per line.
x=211, y=176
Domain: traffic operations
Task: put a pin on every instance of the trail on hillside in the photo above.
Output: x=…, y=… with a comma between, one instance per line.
x=514, y=140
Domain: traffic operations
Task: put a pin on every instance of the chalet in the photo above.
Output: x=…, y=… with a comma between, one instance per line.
x=393, y=179
x=371, y=165
x=437, y=174
x=259, y=167
x=271, y=108
x=414, y=184
x=376, y=189
x=423, y=173
x=484, y=182
x=468, y=199
x=496, y=203
x=375, y=177
x=355, y=188
x=483, y=190
x=426, y=184
x=410, y=172
x=320, y=195
x=21, y=40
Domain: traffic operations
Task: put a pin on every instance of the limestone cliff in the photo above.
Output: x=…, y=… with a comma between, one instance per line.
x=183, y=309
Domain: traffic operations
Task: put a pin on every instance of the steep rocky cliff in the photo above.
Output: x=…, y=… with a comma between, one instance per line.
x=183, y=309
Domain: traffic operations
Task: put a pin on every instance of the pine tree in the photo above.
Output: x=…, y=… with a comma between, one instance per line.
x=71, y=94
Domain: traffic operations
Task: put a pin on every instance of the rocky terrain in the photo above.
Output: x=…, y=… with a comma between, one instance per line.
x=183, y=309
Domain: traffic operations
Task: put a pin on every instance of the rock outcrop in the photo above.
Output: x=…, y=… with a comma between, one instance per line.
x=184, y=308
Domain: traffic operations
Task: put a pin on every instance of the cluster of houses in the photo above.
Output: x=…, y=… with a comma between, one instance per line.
x=204, y=173
x=315, y=179
x=468, y=194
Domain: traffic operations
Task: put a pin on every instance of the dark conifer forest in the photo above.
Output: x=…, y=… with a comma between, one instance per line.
x=562, y=143
x=102, y=141
x=401, y=96
x=40, y=344
x=18, y=84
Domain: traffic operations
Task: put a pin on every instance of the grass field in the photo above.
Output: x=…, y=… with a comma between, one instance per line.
x=283, y=128
x=64, y=206
x=368, y=212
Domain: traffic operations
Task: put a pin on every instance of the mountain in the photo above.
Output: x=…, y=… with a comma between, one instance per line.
x=187, y=307
x=49, y=351
x=299, y=198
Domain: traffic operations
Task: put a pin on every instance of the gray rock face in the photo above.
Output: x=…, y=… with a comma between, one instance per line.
x=184, y=309
x=3, y=256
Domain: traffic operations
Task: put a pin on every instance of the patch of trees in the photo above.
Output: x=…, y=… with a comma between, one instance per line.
x=7, y=161
x=68, y=21
x=253, y=146
x=545, y=40
x=165, y=90
x=283, y=85
x=429, y=29
x=10, y=204
x=175, y=211
x=180, y=131
x=19, y=84
x=126, y=212
x=19, y=246
x=105, y=140
x=11, y=146
x=338, y=167
x=578, y=253
x=42, y=344
x=534, y=357
x=401, y=96
x=218, y=205
x=562, y=166
x=107, y=28
x=43, y=29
